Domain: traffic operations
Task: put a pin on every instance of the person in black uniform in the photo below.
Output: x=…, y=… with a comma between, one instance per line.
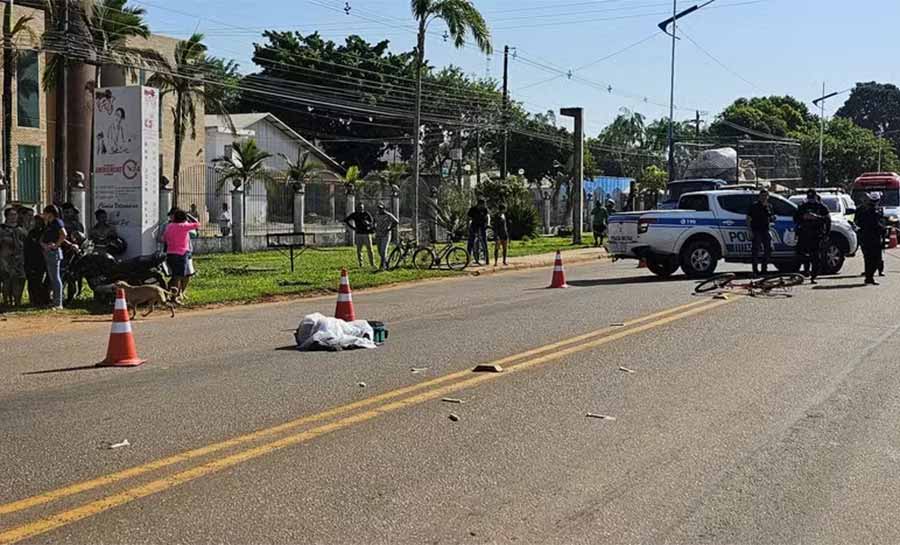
x=759, y=219
x=869, y=220
x=813, y=222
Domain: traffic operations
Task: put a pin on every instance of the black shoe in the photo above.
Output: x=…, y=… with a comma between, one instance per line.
x=812, y=281
x=871, y=282
x=880, y=273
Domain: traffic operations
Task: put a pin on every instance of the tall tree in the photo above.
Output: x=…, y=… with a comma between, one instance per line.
x=188, y=80
x=461, y=18
x=875, y=106
x=366, y=75
x=779, y=116
x=849, y=151
x=11, y=34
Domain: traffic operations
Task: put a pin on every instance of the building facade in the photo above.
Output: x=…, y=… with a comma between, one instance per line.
x=33, y=176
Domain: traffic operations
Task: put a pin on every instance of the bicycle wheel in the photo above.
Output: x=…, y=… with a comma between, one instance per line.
x=396, y=258
x=457, y=258
x=780, y=281
x=716, y=282
x=424, y=258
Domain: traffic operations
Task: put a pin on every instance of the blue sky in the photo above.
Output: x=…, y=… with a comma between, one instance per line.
x=766, y=46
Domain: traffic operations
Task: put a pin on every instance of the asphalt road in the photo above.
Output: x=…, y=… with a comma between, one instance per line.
x=746, y=420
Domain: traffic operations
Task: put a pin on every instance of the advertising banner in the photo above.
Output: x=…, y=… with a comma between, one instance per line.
x=126, y=163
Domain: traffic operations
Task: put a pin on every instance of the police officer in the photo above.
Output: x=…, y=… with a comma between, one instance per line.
x=759, y=220
x=869, y=220
x=813, y=222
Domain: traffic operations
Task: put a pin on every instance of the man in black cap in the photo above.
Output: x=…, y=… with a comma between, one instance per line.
x=759, y=219
x=813, y=222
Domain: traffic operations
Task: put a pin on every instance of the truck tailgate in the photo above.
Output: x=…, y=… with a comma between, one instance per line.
x=623, y=234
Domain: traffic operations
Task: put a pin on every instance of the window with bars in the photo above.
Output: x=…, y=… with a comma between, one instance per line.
x=29, y=174
x=28, y=90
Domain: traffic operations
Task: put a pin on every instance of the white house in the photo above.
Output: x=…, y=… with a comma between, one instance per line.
x=275, y=137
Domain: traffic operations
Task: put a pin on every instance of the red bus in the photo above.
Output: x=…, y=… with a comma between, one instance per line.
x=886, y=183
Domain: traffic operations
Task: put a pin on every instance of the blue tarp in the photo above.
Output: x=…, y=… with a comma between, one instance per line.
x=607, y=187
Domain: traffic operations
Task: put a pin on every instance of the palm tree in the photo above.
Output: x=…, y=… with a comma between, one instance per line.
x=11, y=34
x=461, y=18
x=301, y=170
x=353, y=179
x=245, y=165
x=186, y=79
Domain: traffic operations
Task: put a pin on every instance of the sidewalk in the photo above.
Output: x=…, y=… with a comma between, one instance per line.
x=569, y=257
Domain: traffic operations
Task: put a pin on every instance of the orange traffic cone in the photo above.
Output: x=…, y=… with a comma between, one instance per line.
x=559, y=275
x=344, y=309
x=121, y=351
x=892, y=241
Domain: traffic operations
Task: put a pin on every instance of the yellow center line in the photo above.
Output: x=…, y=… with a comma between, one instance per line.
x=92, y=508
x=136, y=471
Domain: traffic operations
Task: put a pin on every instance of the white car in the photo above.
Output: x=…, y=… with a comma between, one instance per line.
x=710, y=226
x=840, y=205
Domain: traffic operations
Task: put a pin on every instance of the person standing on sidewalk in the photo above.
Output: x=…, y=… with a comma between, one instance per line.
x=871, y=233
x=363, y=225
x=600, y=220
x=501, y=234
x=54, y=240
x=479, y=218
x=36, y=265
x=759, y=219
x=12, y=258
x=177, y=238
x=384, y=226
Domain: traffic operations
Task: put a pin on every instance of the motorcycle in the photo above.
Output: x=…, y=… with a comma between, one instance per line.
x=99, y=268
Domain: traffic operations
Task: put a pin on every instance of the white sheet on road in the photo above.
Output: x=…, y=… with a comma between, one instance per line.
x=318, y=332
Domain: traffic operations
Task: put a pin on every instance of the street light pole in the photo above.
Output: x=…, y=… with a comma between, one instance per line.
x=820, y=179
x=670, y=137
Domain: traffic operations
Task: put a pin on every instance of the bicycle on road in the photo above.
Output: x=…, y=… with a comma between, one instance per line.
x=763, y=286
x=455, y=257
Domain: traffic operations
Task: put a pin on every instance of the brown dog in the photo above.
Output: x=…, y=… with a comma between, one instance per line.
x=150, y=296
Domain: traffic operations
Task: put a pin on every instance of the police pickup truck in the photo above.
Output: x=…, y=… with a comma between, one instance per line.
x=709, y=226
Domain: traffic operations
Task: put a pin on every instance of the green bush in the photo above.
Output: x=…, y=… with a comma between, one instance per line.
x=523, y=219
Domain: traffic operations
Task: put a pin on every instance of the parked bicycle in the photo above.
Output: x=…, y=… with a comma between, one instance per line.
x=404, y=251
x=762, y=286
x=454, y=257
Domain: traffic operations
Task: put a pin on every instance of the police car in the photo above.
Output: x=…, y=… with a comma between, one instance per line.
x=710, y=226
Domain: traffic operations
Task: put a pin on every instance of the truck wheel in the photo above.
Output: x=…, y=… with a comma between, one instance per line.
x=832, y=257
x=662, y=267
x=699, y=259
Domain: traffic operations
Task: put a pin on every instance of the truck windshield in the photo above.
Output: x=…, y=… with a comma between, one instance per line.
x=889, y=197
x=677, y=189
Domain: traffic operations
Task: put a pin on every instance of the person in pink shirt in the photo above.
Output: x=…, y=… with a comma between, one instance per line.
x=178, y=248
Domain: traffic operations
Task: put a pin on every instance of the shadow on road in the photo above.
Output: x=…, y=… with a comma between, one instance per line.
x=63, y=370
x=839, y=287
x=623, y=281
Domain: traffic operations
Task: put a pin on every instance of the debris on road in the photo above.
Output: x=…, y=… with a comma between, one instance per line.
x=124, y=443
x=416, y=370
x=626, y=370
x=362, y=384
x=452, y=400
x=600, y=416
x=487, y=368
x=720, y=296
x=454, y=417
x=617, y=324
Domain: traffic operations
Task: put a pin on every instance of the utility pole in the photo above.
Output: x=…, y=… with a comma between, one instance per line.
x=577, y=195
x=697, y=122
x=504, y=168
x=820, y=102
x=478, y=154
x=62, y=113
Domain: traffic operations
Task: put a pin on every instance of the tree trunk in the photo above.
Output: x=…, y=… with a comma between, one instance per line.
x=8, y=68
x=179, y=140
x=61, y=158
